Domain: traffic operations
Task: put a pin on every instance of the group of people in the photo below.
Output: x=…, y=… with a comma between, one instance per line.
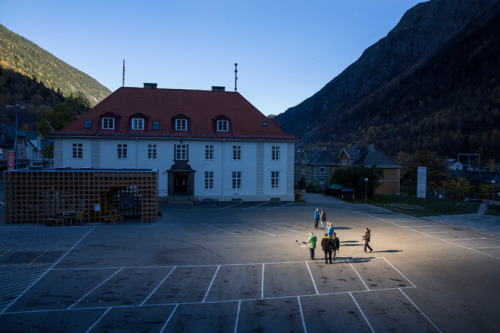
x=330, y=244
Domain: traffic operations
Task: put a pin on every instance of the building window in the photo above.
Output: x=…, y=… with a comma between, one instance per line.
x=275, y=153
x=275, y=179
x=322, y=181
x=236, y=152
x=137, y=124
x=108, y=123
x=88, y=124
x=236, y=179
x=156, y=125
x=121, y=151
x=151, y=152
x=322, y=170
x=209, y=152
x=181, y=124
x=180, y=152
x=222, y=125
x=344, y=162
x=77, y=151
x=209, y=180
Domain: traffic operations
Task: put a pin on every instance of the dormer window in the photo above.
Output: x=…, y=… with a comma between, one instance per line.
x=108, y=123
x=222, y=125
x=88, y=124
x=181, y=124
x=156, y=125
x=137, y=124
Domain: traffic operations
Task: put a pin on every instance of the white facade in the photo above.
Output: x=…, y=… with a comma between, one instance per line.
x=263, y=170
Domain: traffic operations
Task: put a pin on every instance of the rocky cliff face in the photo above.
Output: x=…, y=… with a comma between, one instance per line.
x=421, y=33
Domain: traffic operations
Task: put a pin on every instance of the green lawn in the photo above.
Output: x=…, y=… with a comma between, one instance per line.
x=411, y=205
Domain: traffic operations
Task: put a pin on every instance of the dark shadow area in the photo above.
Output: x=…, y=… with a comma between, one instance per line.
x=388, y=251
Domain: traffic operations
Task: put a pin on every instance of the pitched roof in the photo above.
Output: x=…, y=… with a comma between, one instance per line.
x=371, y=156
x=201, y=108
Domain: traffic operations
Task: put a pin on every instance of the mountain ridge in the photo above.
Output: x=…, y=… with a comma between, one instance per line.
x=331, y=116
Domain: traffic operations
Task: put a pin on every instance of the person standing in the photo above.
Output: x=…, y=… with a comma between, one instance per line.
x=366, y=238
x=331, y=229
x=335, y=245
x=311, y=241
x=327, y=246
x=322, y=215
x=316, y=218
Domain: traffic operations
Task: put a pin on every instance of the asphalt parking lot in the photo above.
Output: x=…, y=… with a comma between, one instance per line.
x=243, y=267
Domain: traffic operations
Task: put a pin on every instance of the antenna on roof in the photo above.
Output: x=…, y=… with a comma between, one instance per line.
x=123, y=75
x=236, y=77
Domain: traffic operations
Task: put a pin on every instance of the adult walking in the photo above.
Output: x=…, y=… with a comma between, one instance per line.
x=316, y=218
x=366, y=237
x=311, y=241
x=335, y=245
x=327, y=246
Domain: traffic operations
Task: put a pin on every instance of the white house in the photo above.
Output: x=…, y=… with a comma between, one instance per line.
x=205, y=144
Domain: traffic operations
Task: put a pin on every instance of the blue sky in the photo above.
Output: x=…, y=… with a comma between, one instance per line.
x=286, y=50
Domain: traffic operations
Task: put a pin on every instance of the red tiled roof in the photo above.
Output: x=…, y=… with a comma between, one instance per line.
x=201, y=107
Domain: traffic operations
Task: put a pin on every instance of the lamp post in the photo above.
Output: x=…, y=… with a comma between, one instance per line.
x=366, y=188
x=17, y=107
x=492, y=191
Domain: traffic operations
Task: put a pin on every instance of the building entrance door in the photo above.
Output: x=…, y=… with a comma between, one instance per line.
x=180, y=183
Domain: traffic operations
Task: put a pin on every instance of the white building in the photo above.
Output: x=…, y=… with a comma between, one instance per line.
x=205, y=144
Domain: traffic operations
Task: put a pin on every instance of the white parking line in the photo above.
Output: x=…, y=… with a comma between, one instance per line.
x=217, y=228
x=158, y=286
x=262, y=284
x=264, y=232
x=350, y=264
x=168, y=319
x=302, y=315
x=397, y=270
x=211, y=283
x=236, y=204
x=237, y=317
x=362, y=313
x=312, y=278
x=98, y=320
x=93, y=289
x=261, y=204
x=423, y=314
x=288, y=204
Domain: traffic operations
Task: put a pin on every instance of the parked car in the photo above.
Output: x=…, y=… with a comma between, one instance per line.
x=473, y=200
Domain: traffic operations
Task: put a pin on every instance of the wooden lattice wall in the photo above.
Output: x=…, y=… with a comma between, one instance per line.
x=37, y=196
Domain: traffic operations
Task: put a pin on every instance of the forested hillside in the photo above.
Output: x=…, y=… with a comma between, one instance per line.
x=433, y=83
x=25, y=57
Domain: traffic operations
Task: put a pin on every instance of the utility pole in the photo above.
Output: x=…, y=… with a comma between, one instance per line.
x=17, y=107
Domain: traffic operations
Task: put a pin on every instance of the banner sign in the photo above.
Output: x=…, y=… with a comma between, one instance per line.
x=421, y=182
x=11, y=160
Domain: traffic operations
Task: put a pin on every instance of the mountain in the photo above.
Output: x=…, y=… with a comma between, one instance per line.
x=25, y=57
x=432, y=83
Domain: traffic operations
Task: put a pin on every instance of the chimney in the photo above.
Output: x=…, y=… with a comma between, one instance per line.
x=218, y=88
x=150, y=85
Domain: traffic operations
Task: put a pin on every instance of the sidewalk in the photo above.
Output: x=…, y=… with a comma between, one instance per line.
x=479, y=223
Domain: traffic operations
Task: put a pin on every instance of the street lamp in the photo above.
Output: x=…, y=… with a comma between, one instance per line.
x=17, y=107
x=366, y=187
x=492, y=191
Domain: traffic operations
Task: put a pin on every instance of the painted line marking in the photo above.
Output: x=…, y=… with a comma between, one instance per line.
x=485, y=247
x=237, y=317
x=100, y=284
x=312, y=278
x=302, y=315
x=98, y=320
x=4, y=253
x=211, y=283
x=362, y=313
x=423, y=314
x=262, y=284
x=467, y=239
x=220, y=229
x=288, y=204
x=158, y=286
x=264, y=232
x=261, y=204
x=41, y=276
x=397, y=270
x=358, y=274
x=41, y=254
x=169, y=318
x=234, y=205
